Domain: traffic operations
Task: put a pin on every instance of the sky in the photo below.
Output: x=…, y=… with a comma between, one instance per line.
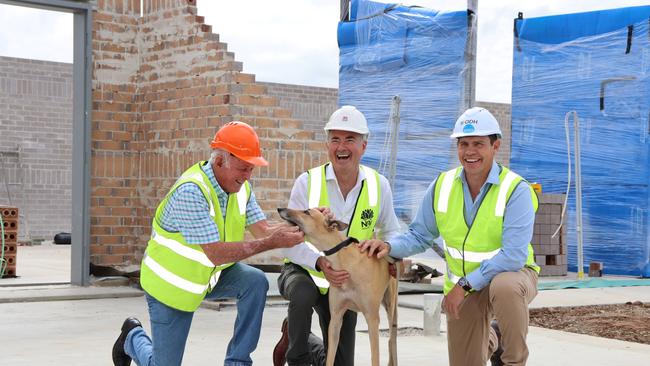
x=294, y=41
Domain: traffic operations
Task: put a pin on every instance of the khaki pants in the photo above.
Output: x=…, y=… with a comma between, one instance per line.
x=471, y=340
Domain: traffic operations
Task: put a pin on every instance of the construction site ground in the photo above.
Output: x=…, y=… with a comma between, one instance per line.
x=627, y=322
x=60, y=324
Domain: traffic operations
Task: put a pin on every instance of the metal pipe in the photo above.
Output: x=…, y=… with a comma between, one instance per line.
x=394, y=126
x=345, y=11
x=469, y=97
x=576, y=156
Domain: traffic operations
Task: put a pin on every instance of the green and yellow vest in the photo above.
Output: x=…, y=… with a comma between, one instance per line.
x=364, y=217
x=179, y=274
x=466, y=247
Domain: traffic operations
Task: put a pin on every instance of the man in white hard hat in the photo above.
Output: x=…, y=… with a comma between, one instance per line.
x=485, y=213
x=355, y=194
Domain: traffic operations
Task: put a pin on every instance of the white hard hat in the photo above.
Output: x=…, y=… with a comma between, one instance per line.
x=476, y=121
x=348, y=118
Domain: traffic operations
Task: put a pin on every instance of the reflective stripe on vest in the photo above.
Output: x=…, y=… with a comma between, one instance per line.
x=363, y=220
x=465, y=248
x=176, y=273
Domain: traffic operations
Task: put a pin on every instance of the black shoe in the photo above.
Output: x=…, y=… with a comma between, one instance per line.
x=120, y=358
x=495, y=359
x=280, y=350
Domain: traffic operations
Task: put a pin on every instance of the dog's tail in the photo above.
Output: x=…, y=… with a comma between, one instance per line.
x=390, y=303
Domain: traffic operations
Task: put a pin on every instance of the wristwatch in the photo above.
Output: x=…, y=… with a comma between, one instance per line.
x=462, y=282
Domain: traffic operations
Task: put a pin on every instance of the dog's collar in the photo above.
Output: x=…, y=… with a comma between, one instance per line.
x=340, y=246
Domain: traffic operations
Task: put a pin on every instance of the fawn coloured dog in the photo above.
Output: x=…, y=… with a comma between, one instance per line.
x=369, y=285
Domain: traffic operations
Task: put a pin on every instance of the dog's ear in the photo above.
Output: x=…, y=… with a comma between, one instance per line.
x=336, y=225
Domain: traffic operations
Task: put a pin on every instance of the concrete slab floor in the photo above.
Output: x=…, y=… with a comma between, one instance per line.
x=81, y=326
x=45, y=263
x=82, y=332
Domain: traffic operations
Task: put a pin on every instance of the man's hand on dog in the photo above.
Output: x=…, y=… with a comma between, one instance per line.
x=287, y=236
x=375, y=247
x=327, y=212
x=335, y=278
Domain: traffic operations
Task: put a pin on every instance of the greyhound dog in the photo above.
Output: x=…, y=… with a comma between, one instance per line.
x=369, y=285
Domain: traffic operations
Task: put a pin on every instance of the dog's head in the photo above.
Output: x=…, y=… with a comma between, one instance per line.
x=319, y=230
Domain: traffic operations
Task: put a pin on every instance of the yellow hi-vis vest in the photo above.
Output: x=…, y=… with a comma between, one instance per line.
x=178, y=274
x=363, y=220
x=466, y=248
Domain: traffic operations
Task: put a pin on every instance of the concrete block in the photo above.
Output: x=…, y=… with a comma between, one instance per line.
x=431, y=314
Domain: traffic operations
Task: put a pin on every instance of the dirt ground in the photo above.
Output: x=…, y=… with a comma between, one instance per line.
x=627, y=322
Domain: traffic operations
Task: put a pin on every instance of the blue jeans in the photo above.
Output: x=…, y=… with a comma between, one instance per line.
x=170, y=327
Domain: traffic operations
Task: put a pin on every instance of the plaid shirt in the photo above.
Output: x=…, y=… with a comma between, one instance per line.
x=188, y=212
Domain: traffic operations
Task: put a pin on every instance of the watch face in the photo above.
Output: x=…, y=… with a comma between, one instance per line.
x=462, y=282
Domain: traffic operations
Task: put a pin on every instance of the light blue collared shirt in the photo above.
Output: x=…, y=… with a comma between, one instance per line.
x=518, y=221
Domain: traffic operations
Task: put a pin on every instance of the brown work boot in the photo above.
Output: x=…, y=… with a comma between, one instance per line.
x=495, y=359
x=280, y=350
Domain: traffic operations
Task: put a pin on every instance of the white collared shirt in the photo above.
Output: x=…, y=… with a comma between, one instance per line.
x=387, y=224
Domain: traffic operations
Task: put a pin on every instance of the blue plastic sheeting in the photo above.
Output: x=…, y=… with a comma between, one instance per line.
x=565, y=28
x=418, y=54
x=599, y=69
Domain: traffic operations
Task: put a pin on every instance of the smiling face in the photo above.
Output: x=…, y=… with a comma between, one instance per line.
x=231, y=172
x=476, y=154
x=345, y=149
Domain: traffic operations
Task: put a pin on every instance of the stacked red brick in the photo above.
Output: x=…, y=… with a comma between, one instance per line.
x=10, y=239
x=550, y=251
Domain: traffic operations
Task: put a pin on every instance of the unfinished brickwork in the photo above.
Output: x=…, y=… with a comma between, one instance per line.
x=36, y=144
x=163, y=84
x=310, y=104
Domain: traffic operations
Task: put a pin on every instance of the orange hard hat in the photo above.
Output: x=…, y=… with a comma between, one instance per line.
x=239, y=139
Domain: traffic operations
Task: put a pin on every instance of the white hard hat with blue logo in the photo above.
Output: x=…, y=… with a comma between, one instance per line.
x=476, y=121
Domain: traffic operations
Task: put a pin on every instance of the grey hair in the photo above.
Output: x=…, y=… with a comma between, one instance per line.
x=218, y=152
x=364, y=137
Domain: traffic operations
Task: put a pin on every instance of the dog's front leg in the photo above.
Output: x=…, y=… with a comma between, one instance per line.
x=372, y=318
x=334, y=330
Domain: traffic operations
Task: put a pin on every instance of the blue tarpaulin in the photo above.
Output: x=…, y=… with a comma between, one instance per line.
x=417, y=54
x=596, y=64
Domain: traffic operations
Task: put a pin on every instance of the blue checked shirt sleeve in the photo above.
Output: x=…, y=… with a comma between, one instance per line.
x=188, y=212
x=254, y=212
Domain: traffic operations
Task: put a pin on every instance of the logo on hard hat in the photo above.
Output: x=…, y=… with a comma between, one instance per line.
x=468, y=128
x=344, y=118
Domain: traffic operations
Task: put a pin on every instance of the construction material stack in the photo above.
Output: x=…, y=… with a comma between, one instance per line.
x=9, y=216
x=550, y=250
x=594, y=64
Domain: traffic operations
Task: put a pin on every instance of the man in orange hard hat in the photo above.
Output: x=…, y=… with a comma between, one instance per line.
x=196, y=242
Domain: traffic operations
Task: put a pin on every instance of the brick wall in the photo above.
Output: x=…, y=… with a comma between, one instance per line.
x=36, y=144
x=162, y=85
x=309, y=104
